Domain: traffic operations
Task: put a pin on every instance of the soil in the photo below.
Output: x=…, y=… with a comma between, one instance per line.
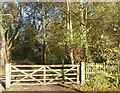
x=96, y=90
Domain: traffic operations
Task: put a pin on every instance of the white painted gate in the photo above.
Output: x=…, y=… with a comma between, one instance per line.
x=41, y=74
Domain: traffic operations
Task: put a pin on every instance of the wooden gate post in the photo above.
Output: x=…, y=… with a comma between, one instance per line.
x=82, y=73
x=8, y=75
x=44, y=75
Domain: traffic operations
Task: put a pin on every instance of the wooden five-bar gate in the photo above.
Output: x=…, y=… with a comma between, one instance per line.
x=41, y=74
x=50, y=74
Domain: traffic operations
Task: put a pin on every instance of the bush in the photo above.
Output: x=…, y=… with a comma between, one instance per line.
x=102, y=80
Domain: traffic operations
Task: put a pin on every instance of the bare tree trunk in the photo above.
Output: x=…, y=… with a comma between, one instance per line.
x=83, y=21
x=44, y=35
x=3, y=49
x=7, y=41
x=3, y=39
x=69, y=28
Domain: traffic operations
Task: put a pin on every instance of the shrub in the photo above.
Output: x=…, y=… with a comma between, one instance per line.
x=102, y=80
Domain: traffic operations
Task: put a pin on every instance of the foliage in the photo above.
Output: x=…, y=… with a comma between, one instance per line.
x=102, y=80
x=39, y=32
x=44, y=35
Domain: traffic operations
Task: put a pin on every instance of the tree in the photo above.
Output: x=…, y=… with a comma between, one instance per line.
x=8, y=33
x=70, y=29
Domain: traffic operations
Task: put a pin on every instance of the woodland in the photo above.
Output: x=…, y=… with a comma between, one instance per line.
x=63, y=33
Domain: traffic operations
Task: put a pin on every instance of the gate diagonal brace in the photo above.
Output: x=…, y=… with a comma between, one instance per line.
x=36, y=71
x=69, y=79
x=28, y=75
x=53, y=70
x=56, y=76
x=69, y=70
x=61, y=74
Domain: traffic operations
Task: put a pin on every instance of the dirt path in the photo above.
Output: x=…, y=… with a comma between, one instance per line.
x=49, y=88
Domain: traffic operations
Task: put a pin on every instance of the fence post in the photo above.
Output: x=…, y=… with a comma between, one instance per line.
x=78, y=74
x=82, y=73
x=44, y=75
x=8, y=75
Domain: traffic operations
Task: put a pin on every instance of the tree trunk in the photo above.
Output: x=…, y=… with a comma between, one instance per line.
x=69, y=28
x=83, y=21
x=3, y=40
x=44, y=35
x=6, y=42
x=3, y=49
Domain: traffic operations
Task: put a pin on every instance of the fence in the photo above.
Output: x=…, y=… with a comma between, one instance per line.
x=50, y=74
x=41, y=74
x=93, y=68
